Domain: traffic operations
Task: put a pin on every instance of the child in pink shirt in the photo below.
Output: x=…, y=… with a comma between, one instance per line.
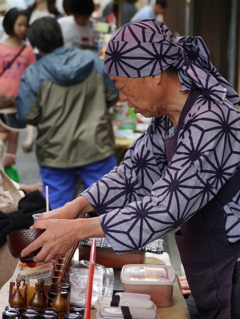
x=9, y=81
x=15, y=24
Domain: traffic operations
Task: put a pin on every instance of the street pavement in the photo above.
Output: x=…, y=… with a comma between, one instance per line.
x=26, y=163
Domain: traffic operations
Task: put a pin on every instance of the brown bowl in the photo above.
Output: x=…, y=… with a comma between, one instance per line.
x=20, y=239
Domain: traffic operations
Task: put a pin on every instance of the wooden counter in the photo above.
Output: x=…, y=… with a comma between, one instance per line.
x=177, y=311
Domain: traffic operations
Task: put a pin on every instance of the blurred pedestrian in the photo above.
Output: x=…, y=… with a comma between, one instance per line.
x=43, y=8
x=39, y=9
x=152, y=11
x=4, y=6
x=15, y=57
x=66, y=95
x=128, y=10
x=78, y=29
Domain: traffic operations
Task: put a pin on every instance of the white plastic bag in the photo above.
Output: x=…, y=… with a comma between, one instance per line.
x=103, y=281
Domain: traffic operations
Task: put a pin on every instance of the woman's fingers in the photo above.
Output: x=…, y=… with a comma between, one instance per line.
x=60, y=236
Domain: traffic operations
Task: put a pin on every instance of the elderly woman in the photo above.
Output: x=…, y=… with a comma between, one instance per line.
x=183, y=171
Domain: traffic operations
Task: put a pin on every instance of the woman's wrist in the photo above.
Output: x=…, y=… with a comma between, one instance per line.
x=89, y=228
x=79, y=207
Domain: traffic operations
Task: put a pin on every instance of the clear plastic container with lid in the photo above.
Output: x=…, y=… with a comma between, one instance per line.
x=116, y=313
x=153, y=279
x=107, y=301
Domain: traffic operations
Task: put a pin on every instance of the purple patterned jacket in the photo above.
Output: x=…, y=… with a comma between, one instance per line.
x=146, y=197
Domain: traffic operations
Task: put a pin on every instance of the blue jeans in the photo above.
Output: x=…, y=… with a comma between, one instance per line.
x=62, y=182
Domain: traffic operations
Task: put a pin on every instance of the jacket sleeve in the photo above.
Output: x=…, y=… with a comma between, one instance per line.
x=112, y=191
x=34, y=113
x=111, y=90
x=27, y=93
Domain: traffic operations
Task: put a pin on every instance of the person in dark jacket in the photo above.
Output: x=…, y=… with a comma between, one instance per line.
x=66, y=95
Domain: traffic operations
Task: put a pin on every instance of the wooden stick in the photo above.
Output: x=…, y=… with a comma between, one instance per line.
x=47, y=200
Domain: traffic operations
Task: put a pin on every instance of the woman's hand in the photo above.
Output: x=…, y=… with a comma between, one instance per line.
x=79, y=207
x=60, y=236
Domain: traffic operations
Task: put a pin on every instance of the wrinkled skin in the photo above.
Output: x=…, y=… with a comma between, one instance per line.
x=62, y=231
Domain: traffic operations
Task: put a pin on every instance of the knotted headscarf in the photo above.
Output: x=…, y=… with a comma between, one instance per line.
x=146, y=48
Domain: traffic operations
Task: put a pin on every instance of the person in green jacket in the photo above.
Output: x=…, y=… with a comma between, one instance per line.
x=66, y=95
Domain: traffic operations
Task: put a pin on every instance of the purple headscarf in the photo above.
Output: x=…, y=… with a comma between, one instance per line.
x=147, y=47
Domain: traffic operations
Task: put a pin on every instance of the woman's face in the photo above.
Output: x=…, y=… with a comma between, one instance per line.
x=20, y=27
x=139, y=95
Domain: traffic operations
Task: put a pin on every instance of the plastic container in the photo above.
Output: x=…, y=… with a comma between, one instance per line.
x=116, y=313
x=132, y=295
x=106, y=301
x=153, y=279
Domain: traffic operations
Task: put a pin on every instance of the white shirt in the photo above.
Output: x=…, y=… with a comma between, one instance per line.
x=37, y=14
x=76, y=36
